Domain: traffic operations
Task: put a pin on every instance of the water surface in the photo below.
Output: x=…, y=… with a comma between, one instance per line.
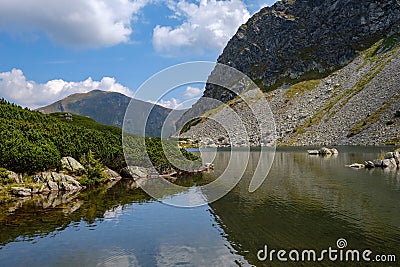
x=307, y=202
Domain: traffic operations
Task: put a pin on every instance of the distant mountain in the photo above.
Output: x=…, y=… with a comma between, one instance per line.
x=109, y=108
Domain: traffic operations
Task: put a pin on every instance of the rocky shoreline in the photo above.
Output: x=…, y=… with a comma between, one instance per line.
x=69, y=177
x=389, y=160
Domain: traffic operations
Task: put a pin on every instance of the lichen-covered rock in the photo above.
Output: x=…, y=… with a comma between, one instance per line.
x=71, y=164
x=21, y=191
x=53, y=186
x=111, y=175
x=369, y=165
x=134, y=172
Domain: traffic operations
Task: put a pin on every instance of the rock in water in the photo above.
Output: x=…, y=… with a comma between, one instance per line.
x=53, y=186
x=134, y=172
x=357, y=166
x=111, y=175
x=369, y=165
x=21, y=191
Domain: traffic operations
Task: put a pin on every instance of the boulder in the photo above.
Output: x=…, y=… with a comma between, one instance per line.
x=72, y=181
x=56, y=177
x=46, y=176
x=14, y=176
x=313, y=152
x=69, y=187
x=386, y=163
x=112, y=175
x=369, y=165
x=134, y=172
x=325, y=151
x=53, y=186
x=71, y=164
x=389, y=155
x=334, y=151
x=393, y=163
x=21, y=191
x=357, y=166
x=378, y=163
x=328, y=151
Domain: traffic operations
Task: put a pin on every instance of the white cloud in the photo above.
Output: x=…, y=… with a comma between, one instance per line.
x=171, y=103
x=192, y=92
x=207, y=25
x=76, y=23
x=16, y=88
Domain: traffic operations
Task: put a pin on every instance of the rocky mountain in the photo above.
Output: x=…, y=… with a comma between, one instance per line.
x=329, y=70
x=109, y=108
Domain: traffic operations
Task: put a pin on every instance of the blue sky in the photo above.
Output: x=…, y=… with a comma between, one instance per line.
x=52, y=48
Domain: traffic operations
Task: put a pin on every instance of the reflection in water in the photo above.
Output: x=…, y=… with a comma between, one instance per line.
x=310, y=202
x=305, y=203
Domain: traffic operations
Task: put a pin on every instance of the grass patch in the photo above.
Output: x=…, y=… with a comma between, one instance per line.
x=393, y=142
x=368, y=121
x=191, y=123
x=301, y=87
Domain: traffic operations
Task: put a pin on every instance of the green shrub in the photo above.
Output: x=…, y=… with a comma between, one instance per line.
x=93, y=173
x=4, y=177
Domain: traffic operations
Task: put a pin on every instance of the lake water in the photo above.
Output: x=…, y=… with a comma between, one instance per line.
x=306, y=202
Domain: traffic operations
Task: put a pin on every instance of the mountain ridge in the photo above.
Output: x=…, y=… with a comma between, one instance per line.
x=296, y=50
x=109, y=108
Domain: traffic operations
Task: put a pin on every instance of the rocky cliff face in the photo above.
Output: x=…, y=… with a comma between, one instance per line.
x=299, y=40
x=329, y=70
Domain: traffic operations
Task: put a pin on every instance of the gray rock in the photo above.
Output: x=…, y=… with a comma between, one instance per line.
x=369, y=165
x=112, y=175
x=325, y=151
x=72, y=180
x=357, y=166
x=134, y=172
x=389, y=155
x=46, y=176
x=334, y=151
x=378, y=163
x=56, y=177
x=71, y=164
x=386, y=163
x=68, y=187
x=53, y=186
x=393, y=163
x=14, y=176
x=21, y=191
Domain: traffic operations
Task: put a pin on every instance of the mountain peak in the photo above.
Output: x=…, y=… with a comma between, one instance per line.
x=109, y=108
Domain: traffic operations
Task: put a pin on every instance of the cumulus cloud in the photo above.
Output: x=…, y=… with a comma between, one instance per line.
x=192, y=92
x=17, y=89
x=207, y=25
x=171, y=103
x=76, y=23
